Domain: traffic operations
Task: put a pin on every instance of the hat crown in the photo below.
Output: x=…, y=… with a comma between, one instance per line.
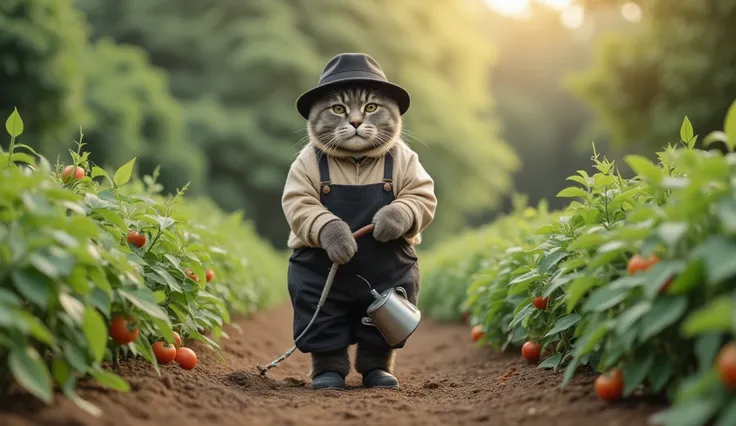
x=350, y=62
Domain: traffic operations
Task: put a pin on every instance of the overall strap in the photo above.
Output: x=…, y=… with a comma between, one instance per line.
x=324, y=170
x=388, y=171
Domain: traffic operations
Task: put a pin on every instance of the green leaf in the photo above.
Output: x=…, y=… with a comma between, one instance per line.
x=658, y=275
x=572, y=192
x=605, y=298
x=577, y=290
x=728, y=415
x=98, y=171
x=32, y=285
x=719, y=256
x=61, y=370
x=726, y=209
x=528, y=310
x=122, y=175
x=8, y=298
x=14, y=124
x=73, y=307
x=729, y=126
x=31, y=373
x=692, y=413
x=631, y=316
x=672, y=232
x=689, y=279
x=665, y=312
x=563, y=324
x=144, y=348
x=635, y=373
x=714, y=317
x=706, y=348
x=588, y=342
x=166, y=331
x=551, y=260
x=660, y=373
x=110, y=216
x=644, y=168
x=110, y=380
x=687, y=132
x=713, y=137
x=95, y=331
x=551, y=362
x=75, y=356
x=144, y=300
x=37, y=328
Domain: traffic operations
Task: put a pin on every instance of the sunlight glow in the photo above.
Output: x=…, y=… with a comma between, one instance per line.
x=631, y=12
x=573, y=17
x=520, y=8
x=516, y=8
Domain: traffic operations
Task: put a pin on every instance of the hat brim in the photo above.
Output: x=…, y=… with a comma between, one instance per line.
x=399, y=94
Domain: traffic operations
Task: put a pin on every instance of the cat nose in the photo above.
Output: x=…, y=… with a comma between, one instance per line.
x=356, y=123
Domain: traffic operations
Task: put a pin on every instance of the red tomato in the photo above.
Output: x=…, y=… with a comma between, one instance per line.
x=165, y=353
x=122, y=329
x=69, y=170
x=476, y=333
x=531, y=351
x=136, y=238
x=540, y=302
x=177, y=340
x=209, y=275
x=610, y=386
x=726, y=363
x=638, y=263
x=188, y=272
x=186, y=358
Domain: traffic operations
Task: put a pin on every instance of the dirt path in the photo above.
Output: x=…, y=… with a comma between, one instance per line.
x=446, y=380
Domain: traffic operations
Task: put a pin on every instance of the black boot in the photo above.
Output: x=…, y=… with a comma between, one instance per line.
x=376, y=365
x=329, y=369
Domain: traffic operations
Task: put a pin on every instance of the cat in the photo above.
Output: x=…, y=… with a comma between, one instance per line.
x=355, y=170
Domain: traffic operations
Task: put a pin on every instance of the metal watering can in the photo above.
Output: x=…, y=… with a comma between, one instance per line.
x=391, y=312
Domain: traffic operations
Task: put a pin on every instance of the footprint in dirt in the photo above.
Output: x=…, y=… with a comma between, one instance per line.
x=256, y=382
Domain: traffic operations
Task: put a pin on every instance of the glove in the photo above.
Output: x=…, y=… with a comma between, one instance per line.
x=391, y=222
x=337, y=240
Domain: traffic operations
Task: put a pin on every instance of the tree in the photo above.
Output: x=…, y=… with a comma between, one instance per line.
x=134, y=115
x=238, y=67
x=680, y=62
x=41, y=45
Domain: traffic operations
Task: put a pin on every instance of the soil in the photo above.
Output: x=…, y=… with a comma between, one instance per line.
x=445, y=380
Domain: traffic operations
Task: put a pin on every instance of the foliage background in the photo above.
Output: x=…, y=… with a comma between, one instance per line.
x=500, y=104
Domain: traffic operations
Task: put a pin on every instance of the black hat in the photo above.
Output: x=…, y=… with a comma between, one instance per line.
x=352, y=68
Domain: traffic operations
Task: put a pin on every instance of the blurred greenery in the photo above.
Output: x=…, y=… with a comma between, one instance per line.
x=206, y=88
x=681, y=61
x=238, y=68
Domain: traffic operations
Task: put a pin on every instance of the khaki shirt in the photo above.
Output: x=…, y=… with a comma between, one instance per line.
x=413, y=191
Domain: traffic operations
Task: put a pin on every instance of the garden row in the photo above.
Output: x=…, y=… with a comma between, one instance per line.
x=635, y=278
x=96, y=265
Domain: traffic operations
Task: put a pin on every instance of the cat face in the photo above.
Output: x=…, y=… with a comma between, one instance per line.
x=354, y=121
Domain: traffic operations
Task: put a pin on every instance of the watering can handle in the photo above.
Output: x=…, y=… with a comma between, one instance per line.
x=362, y=232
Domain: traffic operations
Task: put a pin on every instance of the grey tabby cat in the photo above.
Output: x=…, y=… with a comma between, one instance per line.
x=354, y=171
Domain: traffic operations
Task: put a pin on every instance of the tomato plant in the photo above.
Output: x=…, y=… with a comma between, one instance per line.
x=73, y=276
x=640, y=269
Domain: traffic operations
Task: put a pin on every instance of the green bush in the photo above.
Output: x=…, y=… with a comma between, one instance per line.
x=68, y=267
x=661, y=324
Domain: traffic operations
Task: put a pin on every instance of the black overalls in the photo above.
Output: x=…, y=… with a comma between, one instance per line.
x=384, y=265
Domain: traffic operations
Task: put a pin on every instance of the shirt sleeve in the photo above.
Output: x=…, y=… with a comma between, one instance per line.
x=416, y=195
x=302, y=207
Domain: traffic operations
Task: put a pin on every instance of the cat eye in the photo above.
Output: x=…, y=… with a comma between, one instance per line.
x=338, y=109
x=371, y=107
